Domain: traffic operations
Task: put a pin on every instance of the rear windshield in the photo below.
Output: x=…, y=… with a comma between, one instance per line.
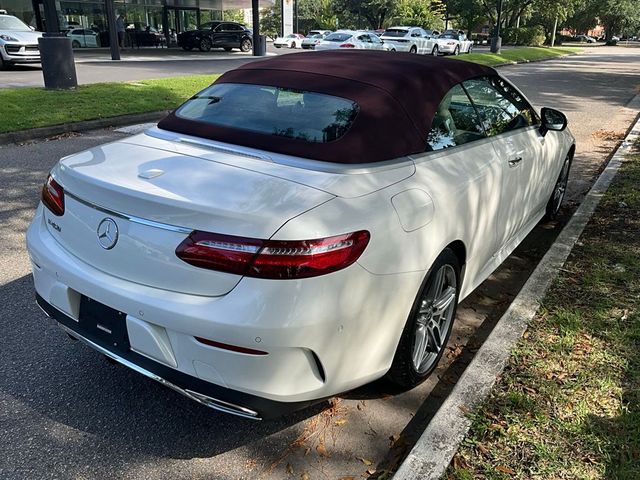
x=338, y=37
x=395, y=33
x=298, y=114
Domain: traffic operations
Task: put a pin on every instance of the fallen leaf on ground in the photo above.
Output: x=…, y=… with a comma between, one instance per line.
x=342, y=421
x=289, y=469
x=507, y=470
x=365, y=461
x=322, y=450
x=305, y=476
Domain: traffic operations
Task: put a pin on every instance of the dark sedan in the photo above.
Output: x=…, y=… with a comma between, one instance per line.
x=227, y=35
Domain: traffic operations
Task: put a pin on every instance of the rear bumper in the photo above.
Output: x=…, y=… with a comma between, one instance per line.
x=323, y=335
x=206, y=393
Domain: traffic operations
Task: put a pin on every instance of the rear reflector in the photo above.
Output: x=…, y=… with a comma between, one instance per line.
x=273, y=259
x=233, y=348
x=53, y=196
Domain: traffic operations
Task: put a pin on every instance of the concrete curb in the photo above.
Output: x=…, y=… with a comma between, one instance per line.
x=430, y=457
x=44, y=132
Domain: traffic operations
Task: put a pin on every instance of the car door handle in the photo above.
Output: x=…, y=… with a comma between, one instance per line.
x=515, y=161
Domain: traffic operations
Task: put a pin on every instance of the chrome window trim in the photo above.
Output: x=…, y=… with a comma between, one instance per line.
x=130, y=218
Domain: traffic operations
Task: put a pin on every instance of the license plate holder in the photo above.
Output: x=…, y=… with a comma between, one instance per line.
x=103, y=323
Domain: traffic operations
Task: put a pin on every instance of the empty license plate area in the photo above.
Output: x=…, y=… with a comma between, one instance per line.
x=104, y=324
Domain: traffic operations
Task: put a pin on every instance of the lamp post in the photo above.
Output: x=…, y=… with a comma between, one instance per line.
x=496, y=41
x=56, y=53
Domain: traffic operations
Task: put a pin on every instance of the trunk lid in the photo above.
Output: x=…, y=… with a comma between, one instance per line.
x=155, y=198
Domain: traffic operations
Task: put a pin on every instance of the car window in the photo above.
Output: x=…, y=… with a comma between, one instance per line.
x=308, y=116
x=501, y=107
x=375, y=39
x=395, y=32
x=338, y=37
x=456, y=122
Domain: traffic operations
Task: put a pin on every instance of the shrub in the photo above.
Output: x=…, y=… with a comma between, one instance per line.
x=530, y=36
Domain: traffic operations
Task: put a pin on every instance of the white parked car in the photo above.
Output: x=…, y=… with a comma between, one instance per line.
x=360, y=40
x=83, y=37
x=272, y=243
x=293, y=40
x=314, y=38
x=408, y=39
x=453, y=43
x=18, y=42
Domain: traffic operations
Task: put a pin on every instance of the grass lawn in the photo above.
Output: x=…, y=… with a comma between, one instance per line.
x=568, y=404
x=23, y=108
x=521, y=54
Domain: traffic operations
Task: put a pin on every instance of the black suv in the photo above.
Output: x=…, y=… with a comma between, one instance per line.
x=210, y=35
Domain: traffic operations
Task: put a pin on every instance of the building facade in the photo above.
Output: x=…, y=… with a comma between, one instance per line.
x=145, y=19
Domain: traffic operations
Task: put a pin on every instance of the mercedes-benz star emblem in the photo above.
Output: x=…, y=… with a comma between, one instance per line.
x=107, y=233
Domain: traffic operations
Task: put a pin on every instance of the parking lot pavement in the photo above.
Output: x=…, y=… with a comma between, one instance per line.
x=67, y=413
x=96, y=66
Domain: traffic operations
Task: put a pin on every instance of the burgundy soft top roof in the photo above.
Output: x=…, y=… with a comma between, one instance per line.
x=398, y=94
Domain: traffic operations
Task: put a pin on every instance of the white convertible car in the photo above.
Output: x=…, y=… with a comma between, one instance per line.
x=272, y=242
x=453, y=43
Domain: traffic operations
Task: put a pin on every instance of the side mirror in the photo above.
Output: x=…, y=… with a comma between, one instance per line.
x=552, y=120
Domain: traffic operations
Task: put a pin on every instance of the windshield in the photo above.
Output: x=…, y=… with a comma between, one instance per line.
x=317, y=35
x=395, y=32
x=12, y=23
x=308, y=116
x=338, y=37
x=448, y=35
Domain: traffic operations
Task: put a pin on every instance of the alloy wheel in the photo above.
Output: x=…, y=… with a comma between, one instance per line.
x=205, y=45
x=245, y=46
x=434, y=52
x=434, y=318
x=561, y=187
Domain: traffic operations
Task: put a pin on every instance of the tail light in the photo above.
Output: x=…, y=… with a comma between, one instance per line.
x=53, y=196
x=273, y=259
x=347, y=45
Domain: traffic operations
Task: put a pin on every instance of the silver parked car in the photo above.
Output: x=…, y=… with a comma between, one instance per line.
x=18, y=42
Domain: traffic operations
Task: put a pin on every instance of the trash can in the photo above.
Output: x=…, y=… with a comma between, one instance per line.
x=58, y=66
x=260, y=48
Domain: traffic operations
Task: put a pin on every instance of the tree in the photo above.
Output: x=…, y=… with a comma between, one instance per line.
x=270, y=21
x=424, y=13
x=320, y=14
x=375, y=13
x=468, y=13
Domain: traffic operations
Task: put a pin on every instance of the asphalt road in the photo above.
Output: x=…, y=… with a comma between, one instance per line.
x=66, y=413
x=95, y=65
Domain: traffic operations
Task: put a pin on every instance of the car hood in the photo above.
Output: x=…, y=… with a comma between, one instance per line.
x=23, y=35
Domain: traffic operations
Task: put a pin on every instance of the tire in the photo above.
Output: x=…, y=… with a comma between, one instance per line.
x=227, y=49
x=426, y=333
x=435, y=51
x=456, y=51
x=470, y=49
x=559, y=190
x=75, y=44
x=293, y=45
x=187, y=49
x=245, y=45
x=3, y=65
x=413, y=49
x=204, y=45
